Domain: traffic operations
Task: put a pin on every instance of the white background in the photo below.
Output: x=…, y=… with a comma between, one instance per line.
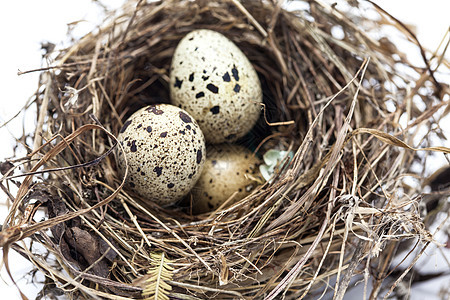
x=24, y=25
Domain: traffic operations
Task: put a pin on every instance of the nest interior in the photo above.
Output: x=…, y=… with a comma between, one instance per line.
x=339, y=208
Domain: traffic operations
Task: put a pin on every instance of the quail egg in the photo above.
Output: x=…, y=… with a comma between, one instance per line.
x=229, y=169
x=165, y=151
x=214, y=81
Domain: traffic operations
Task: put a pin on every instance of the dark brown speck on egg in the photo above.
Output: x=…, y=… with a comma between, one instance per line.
x=184, y=117
x=133, y=147
x=158, y=171
x=199, y=156
x=125, y=125
x=199, y=95
x=226, y=77
x=235, y=73
x=178, y=83
x=215, y=109
x=155, y=110
x=214, y=89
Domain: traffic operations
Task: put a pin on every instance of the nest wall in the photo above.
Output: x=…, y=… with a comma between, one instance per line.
x=339, y=207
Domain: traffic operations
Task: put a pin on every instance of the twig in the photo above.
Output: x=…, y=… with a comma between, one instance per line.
x=205, y=288
x=250, y=17
x=42, y=114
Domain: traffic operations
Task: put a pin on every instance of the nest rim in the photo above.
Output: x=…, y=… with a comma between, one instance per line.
x=201, y=244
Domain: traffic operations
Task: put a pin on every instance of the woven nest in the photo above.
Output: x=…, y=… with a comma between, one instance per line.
x=340, y=208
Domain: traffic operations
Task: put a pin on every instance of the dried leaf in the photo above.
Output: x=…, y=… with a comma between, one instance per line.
x=392, y=140
x=87, y=246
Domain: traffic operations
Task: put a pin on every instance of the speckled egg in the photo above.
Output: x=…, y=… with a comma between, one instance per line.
x=228, y=169
x=214, y=81
x=165, y=150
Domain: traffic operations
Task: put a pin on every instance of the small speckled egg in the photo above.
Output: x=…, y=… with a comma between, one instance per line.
x=165, y=150
x=228, y=169
x=214, y=81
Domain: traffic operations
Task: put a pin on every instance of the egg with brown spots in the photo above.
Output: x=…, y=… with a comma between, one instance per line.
x=229, y=169
x=165, y=151
x=212, y=79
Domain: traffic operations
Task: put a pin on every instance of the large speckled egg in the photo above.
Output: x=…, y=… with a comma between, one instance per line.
x=165, y=150
x=228, y=169
x=214, y=81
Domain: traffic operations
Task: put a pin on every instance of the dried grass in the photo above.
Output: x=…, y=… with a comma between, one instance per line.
x=339, y=209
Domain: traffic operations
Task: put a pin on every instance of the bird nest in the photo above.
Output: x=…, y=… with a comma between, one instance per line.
x=338, y=95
